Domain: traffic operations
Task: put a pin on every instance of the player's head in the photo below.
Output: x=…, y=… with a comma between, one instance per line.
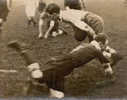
x=79, y=35
x=53, y=8
x=73, y=4
x=102, y=39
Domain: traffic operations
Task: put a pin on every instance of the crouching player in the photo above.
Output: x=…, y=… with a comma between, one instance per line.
x=49, y=22
x=53, y=72
x=30, y=10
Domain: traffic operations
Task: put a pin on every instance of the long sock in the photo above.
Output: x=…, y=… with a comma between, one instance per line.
x=25, y=54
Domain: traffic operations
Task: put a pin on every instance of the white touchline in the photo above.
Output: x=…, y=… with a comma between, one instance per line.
x=8, y=71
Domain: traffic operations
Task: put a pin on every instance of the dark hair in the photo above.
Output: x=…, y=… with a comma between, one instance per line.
x=41, y=6
x=101, y=37
x=79, y=35
x=53, y=8
x=73, y=4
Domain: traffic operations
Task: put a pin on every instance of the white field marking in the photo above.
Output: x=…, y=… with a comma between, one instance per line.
x=8, y=71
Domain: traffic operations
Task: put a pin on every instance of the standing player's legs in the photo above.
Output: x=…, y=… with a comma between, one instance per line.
x=30, y=11
x=28, y=15
x=3, y=12
x=31, y=21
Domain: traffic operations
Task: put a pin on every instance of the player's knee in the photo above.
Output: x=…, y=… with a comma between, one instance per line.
x=35, y=71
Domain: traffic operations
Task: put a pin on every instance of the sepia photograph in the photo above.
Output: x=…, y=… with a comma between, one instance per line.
x=63, y=49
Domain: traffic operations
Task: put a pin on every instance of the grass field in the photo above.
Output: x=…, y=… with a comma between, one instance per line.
x=82, y=81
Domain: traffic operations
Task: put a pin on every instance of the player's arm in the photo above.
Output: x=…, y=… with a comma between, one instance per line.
x=40, y=27
x=52, y=23
x=41, y=23
x=78, y=48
